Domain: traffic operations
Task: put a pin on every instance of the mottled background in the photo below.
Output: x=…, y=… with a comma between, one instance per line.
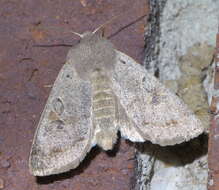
x=26, y=72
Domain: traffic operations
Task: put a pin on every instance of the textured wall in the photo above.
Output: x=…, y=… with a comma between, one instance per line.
x=179, y=50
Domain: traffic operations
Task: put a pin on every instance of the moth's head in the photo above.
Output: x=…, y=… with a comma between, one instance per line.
x=91, y=37
x=86, y=36
x=94, y=52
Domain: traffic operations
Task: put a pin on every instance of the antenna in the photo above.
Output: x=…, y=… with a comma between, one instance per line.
x=80, y=35
x=101, y=26
x=133, y=22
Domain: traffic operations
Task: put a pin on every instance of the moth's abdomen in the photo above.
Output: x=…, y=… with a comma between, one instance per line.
x=104, y=109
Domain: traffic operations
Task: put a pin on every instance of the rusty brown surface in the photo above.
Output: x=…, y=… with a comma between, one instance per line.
x=26, y=72
x=215, y=99
x=213, y=153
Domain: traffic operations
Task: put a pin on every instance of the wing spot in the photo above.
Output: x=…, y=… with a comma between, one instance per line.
x=58, y=124
x=35, y=150
x=145, y=123
x=56, y=150
x=122, y=61
x=155, y=99
x=68, y=76
x=58, y=106
x=53, y=116
x=172, y=122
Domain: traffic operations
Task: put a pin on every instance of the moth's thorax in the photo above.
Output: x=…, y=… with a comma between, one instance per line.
x=92, y=53
x=104, y=111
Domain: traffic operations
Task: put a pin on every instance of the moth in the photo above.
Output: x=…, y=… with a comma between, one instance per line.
x=98, y=92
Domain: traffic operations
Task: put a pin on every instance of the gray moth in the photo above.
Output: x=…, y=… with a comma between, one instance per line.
x=98, y=92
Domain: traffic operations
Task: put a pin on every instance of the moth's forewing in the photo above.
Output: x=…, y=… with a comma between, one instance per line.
x=159, y=115
x=65, y=131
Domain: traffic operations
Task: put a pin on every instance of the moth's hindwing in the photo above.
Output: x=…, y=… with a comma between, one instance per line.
x=127, y=127
x=157, y=114
x=65, y=131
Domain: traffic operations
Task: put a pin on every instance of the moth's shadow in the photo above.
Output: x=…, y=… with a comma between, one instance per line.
x=83, y=165
x=177, y=155
x=113, y=152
